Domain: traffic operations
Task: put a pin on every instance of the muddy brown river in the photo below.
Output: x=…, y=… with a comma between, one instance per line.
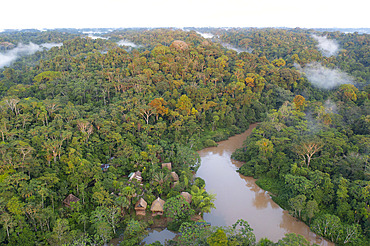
x=238, y=197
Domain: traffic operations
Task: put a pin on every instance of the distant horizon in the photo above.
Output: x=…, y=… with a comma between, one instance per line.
x=174, y=27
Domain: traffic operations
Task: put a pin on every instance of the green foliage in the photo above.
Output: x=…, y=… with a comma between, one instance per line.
x=292, y=239
x=277, y=188
x=311, y=209
x=199, y=182
x=311, y=161
x=265, y=242
x=104, y=231
x=178, y=209
x=201, y=200
x=156, y=243
x=60, y=231
x=243, y=233
x=192, y=233
x=26, y=237
x=218, y=238
x=135, y=231
x=330, y=226
x=298, y=203
x=15, y=206
x=209, y=143
x=67, y=110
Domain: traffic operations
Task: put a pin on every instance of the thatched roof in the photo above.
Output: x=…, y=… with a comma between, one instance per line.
x=70, y=198
x=157, y=205
x=141, y=204
x=187, y=196
x=168, y=165
x=174, y=176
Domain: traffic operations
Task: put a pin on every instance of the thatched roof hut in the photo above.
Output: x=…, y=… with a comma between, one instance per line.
x=174, y=176
x=168, y=165
x=187, y=196
x=157, y=207
x=70, y=198
x=140, y=207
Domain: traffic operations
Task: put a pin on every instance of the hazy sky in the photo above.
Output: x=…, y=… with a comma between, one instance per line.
x=21, y=14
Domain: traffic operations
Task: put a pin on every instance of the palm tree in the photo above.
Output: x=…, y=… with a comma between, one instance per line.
x=201, y=200
x=83, y=218
x=43, y=192
x=129, y=192
x=123, y=203
x=7, y=221
x=160, y=178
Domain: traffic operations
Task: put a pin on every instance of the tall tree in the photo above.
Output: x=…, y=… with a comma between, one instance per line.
x=307, y=149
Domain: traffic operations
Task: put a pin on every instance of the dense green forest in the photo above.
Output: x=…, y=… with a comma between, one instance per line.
x=136, y=98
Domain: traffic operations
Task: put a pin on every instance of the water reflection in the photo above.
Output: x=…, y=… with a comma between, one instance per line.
x=238, y=196
x=158, y=234
x=260, y=201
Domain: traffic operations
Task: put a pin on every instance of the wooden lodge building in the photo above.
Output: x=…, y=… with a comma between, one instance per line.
x=167, y=165
x=70, y=198
x=157, y=207
x=140, y=207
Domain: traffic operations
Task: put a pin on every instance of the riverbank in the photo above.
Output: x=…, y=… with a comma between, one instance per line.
x=274, y=187
x=239, y=197
x=209, y=138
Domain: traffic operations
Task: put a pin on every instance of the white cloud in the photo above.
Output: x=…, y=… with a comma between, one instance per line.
x=323, y=77
x=8, y=57
x=96, y=37
x=91, y=32
x=328, y=47
x=51, y=45
x=127, y=43
x=205, y=34
x=238, y=50
x=330, y=107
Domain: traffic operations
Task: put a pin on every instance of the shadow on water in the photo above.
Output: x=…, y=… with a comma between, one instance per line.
x=159, y=235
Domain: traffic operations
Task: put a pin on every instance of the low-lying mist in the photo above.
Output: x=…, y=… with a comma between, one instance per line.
x=96, y=37
x=330, y=107
x=238, y=50
x=127, y=43
x=206, y=34
x=7, y=57
x=51, y=45
x=328, y=47
x=323, y=77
